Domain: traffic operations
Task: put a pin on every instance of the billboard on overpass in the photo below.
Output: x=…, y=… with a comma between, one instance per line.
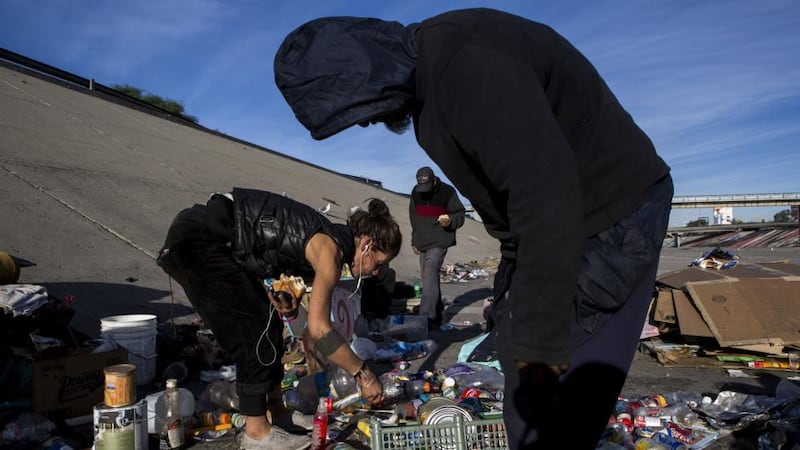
x=723, y=215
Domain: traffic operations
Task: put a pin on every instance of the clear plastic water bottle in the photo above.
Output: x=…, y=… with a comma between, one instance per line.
x=342, y=383
x=222, y=394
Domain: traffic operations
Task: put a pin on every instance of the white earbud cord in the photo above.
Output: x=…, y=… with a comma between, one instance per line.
x=360, y=272
x=260, y=338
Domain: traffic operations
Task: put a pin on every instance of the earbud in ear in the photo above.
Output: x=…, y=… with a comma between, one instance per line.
x=364, y=250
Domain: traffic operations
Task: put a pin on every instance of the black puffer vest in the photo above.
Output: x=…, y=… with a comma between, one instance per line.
x=271, y=232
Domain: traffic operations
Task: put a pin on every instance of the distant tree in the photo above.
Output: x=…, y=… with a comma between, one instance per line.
x=783, y=216
x=166, y=104
x=737, y=221
x=700, y=222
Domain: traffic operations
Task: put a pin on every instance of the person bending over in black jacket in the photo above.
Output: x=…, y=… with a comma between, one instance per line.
x=222, y=252
x=525, y=128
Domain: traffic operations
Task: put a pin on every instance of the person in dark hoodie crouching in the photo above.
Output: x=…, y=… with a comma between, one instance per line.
x=526, y=129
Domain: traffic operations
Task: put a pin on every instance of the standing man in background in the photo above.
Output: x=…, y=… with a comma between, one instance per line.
x=435, y=213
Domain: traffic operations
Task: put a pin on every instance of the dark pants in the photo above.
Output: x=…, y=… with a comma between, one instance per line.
x=573, y=410
x=231, y=302
x=430, y=264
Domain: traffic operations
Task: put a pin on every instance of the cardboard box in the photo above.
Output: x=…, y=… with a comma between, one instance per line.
x=749, y=308
x=70, y=384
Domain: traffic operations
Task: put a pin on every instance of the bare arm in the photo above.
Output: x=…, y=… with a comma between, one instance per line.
x=324, y=256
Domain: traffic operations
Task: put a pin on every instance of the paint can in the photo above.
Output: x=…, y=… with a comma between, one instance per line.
x=120, y=428
x=120, y=385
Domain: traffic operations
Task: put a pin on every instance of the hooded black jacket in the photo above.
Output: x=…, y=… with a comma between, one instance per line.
x=514, y=115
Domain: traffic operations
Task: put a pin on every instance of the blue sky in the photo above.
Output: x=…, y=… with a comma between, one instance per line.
x=716, y=84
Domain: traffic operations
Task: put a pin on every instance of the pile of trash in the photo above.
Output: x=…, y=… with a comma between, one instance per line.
x=716, y=258
x=473, y=270
x=686, y=420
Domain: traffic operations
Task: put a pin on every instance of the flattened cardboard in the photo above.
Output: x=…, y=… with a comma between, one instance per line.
x=679, y=278
x=664, y=307
x=750, y=310
x=690, y=322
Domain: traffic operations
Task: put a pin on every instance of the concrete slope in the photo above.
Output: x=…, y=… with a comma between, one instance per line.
x=88, y=188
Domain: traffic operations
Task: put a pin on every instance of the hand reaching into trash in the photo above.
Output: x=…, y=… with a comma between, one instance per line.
x=285, y=303
x=370, y=386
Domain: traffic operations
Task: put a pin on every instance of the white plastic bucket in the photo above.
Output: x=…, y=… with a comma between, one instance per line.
x=137, y=334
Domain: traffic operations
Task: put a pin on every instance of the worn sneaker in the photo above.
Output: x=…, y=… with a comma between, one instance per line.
x=277, y=439
x=294, y=422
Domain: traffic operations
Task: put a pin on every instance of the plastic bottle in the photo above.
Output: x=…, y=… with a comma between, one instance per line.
x=295, y=400
x=342, y=383
x=683, y=398
x=428, y=346
x=417, y=289
x=319, y=436
x=222, y=394
x=686, y=417
x=304, y=396
x=28, y=426
x=321, y=382
x=172, y=435
x=393, y=390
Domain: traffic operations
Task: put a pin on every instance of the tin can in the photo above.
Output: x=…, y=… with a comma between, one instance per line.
x=626, y=420
x=425, y=409
x=669, y=442
x=123, y=427
x=120, y=385
x=647, y=422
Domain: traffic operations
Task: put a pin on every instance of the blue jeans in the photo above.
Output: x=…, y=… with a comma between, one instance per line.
x=613, y=295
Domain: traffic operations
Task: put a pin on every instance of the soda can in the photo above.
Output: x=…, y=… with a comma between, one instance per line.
x=626, y=420
x=679, y=433
x=671, y=443
x=647, y=422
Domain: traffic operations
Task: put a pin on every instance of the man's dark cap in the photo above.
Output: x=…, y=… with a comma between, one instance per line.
x=425, y=179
